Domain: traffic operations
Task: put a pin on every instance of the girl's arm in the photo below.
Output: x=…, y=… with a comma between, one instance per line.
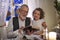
x=38, y=33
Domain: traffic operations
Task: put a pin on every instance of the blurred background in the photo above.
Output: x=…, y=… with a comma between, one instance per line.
x=50, y=7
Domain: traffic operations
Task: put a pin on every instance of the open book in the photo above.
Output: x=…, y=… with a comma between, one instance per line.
x=30, y=28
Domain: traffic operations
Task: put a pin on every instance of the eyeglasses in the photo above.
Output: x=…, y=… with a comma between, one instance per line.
x=24, y=11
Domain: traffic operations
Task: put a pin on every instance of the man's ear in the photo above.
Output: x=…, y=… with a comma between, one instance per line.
x=17, y=11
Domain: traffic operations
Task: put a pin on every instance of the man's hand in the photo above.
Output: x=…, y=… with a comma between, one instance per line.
x=38, y=33
x=21, y=29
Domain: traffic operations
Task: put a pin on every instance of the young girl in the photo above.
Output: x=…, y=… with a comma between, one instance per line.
x=38, y=21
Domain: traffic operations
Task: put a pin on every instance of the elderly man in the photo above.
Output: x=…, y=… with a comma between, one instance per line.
x=17, y=24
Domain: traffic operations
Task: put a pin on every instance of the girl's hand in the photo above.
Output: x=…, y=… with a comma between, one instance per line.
x=38, y=33
x=44, y=24
x=20, y=31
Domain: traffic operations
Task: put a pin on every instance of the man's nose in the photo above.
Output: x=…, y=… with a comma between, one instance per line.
x=25, y=13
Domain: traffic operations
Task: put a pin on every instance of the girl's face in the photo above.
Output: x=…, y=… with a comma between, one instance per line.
x=36, y=15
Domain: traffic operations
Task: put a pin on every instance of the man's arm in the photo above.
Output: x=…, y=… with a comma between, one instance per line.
x=10, y=26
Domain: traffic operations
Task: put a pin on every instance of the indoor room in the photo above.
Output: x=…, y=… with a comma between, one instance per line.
x=13, y=8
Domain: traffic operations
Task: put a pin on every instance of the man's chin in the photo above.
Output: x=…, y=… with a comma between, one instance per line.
x=23, y=17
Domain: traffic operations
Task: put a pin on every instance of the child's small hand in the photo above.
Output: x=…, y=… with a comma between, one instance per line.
x=44, y=24
x=36, y=27
x=38, y=33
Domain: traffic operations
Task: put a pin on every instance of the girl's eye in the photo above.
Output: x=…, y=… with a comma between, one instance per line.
x=38, y=14
x=34, y=13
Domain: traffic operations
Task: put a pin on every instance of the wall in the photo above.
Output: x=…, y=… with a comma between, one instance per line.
x=50, y=12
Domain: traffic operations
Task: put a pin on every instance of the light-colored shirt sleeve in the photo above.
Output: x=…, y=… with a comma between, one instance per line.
x=10, y=26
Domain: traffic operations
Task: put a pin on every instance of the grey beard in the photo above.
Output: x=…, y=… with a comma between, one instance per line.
x=24, y=18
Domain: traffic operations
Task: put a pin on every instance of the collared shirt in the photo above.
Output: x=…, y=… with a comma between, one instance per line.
x=21, y=23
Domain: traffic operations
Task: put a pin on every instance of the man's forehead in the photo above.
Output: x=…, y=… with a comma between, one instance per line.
x=24, y=7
